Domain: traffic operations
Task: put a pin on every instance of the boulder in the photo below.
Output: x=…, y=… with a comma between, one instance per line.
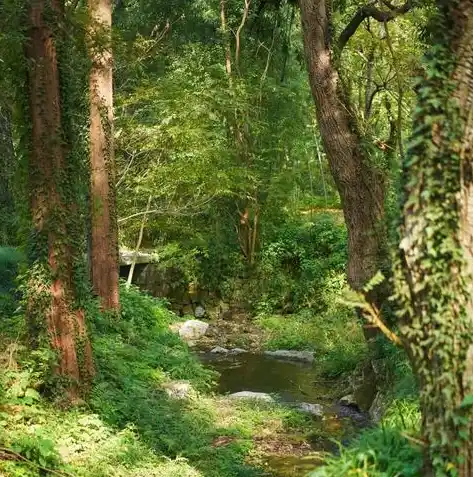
x=377, y=409
x=314, y=409
x=349, y=401
x=252, y=395
x=224, y=311
x=237, y=351
x=290, y=355
x=219, y=350
x=199, y=311
x=178, y=389
x=193, y=330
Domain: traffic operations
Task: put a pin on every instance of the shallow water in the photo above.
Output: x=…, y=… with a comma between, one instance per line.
x=289, y=382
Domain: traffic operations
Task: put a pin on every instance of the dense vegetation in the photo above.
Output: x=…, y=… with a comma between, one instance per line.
x=185, y=132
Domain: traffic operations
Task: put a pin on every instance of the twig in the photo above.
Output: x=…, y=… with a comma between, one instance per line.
x=375, y=316
x=61, y=473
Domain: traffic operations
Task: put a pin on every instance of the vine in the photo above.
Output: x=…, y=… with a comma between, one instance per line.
x=430, y=278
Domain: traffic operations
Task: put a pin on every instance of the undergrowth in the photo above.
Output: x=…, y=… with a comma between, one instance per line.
x=130, y=426
x=389, y=450
x=335, y=337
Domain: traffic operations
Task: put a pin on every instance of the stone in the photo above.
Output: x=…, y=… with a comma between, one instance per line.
x=237, y=351
x=178, y=389
x=199, y=311
x=224, y=311
x=252, y=395
x=219, y=350
x=305, y=356
x=377, y=409
x=193, y=330
x=315, y=409
x=349, y=401
x=127, y=257
x=187, y=310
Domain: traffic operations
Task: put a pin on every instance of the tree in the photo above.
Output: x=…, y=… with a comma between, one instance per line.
x=361, y=186
x=7, y=229
x=104, y=228
x=434, y=267
x=51, y=291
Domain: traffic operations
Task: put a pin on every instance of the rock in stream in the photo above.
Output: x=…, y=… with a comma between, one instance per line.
x=290, y=355
x=193, y=330
x=252, y=395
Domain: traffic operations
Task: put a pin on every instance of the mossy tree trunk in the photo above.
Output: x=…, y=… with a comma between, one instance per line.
x=51, y=287
x=104, y=227
x=434, y=270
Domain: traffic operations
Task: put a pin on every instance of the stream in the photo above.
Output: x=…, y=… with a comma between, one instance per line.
x=290, y=382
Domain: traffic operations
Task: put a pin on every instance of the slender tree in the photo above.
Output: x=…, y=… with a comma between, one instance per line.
x=435, y=260
x=51, y=287
x=7, y=235
x=104, y=228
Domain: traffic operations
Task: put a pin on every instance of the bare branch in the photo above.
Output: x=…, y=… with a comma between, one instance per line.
x=370, y=11
x=240, y=28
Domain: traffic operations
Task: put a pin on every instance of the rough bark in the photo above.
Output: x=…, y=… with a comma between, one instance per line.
x=462, y=16
x=51, y=296
x=435, y=270
x=360, y=185
x=7, y=235
x=104, y=227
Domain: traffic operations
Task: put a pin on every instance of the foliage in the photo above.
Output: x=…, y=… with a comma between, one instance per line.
x=432, y=286
x=335, y=336
x=381, y=452
x=130, y=427
x=10, y=261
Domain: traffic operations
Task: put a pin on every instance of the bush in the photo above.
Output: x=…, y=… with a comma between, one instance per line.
x=382, y=452
x=300, y=264
x=10, y=261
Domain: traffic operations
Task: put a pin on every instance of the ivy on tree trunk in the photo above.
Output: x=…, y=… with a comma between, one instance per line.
x=434, y=266
x=51, y=306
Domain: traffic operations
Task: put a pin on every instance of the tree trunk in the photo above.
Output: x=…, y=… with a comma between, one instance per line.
x=138, y=243
x=104, y=227
x=7, y=209
x=435, y=266
x=51, y=286
x=360, y=185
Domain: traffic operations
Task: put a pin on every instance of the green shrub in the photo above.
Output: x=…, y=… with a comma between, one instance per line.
x=335, y=336
x=10, y=261
x=384, y=451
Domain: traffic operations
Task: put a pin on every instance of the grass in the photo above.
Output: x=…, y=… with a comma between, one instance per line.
x=129, y=426
x=388, y=450
x=335, y=337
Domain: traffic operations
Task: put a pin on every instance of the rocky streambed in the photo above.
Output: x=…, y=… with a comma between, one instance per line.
x=289, y=380
x=285, y=378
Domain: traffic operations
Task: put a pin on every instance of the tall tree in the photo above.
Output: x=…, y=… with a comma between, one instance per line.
x=51, y=287
x=361, y=186
x=7, y=235
x=435, y=260
x=104, y=228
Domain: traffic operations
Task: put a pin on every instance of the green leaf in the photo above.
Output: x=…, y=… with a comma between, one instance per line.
x=467, y=402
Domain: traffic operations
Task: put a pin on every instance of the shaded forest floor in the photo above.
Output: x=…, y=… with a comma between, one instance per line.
x=131, y=425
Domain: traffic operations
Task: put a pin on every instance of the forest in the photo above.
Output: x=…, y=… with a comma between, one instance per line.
x=235, y=238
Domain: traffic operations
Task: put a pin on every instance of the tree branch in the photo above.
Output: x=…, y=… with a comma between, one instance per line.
x=370, y=11
x=246, y=10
